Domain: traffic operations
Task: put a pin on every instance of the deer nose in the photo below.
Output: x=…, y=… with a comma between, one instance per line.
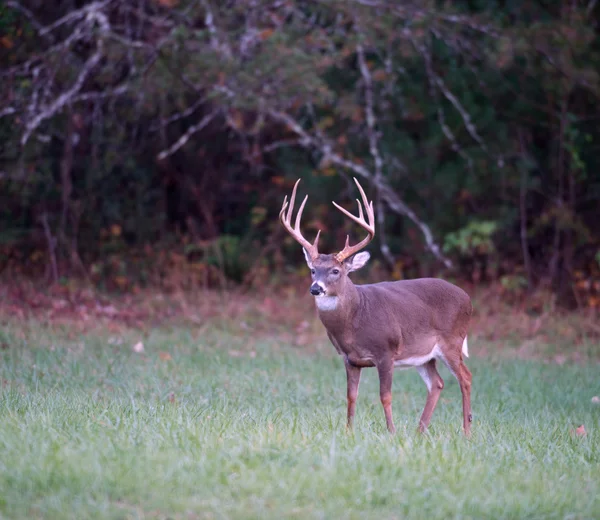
x=316, y=289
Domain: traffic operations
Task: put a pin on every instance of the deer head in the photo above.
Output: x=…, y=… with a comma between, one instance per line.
x=330, y=272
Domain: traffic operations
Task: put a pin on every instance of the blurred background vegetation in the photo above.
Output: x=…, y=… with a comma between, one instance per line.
x=151, y=142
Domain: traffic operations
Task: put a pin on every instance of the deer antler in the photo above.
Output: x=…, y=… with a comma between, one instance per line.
x=348, y=250
x=285, y=218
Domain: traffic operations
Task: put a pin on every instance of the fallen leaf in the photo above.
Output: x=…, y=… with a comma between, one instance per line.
x=596, y=399
x=171, y=397
x=301, y=340
x=109, y=310
x=6, y=42
x=165, y=356
x=138, y=347
x=580, y=431
x=235, y=353
x=560, y=359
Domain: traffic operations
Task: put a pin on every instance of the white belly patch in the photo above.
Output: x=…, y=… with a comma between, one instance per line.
x=417, y=361
x=326, y=303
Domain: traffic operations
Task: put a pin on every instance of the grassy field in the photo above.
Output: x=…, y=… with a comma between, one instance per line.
x=210, y=423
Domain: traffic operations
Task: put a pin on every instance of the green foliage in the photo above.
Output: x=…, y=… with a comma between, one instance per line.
x=475, y=238
x=513, y=283
x=230, y=254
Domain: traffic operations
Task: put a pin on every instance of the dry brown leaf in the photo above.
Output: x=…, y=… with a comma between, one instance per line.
x=266, y=33
x=138, y=347
x=580, y=432
x=164, y=356
x=6, y=42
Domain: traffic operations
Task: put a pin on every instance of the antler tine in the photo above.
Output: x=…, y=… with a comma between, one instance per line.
x=368, y=225
x=286, y=218
x=299, y=215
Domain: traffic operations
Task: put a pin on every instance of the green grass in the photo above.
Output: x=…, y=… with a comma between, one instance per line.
x=233, y=427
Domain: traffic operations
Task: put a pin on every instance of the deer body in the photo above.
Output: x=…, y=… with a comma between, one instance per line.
x=400, y=319
x=404, y=324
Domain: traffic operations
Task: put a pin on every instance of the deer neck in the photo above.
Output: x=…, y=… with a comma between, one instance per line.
x=335, y=311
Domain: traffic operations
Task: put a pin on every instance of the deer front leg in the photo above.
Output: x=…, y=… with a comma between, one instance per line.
x=386, y=373
x=353, y=378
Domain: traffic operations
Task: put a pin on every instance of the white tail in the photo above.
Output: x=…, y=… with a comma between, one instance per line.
x=409, y=323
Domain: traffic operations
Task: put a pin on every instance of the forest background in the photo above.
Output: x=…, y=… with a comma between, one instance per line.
x=150, y=143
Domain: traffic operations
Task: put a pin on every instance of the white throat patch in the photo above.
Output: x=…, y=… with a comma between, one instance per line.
x=326, y=303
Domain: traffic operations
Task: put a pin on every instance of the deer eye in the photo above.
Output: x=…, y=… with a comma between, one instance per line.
x=335, y=271
x=312, y=271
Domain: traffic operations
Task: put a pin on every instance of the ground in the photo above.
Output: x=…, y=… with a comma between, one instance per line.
x=237, y=417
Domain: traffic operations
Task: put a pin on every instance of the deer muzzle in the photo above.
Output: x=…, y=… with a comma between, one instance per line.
x=316, y=289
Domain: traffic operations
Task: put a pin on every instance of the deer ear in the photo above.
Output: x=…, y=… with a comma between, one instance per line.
x=308, y=259
x=357, y=261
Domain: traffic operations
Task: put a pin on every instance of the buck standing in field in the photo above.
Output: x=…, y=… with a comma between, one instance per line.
x=407, y=323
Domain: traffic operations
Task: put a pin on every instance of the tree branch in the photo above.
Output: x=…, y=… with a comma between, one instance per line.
x=388, y=195
x=186, y=137
x=91, y=9
x=92, y=15
x=6, y=111
x=373, y=137
x=435, y=80
x=370, y=112
x=65, y=98
x=216, y=43
x=28, y=14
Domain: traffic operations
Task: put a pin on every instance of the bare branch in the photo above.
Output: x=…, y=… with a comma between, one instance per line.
x=215, y=41
x=370, y=112
x=93, y=95
x=30, y=16
x=7, y=111
x=281, y=144
x=451, y=137
x=441, y=116
x=51, y=241
x=373, y=137
x=92, y=15
x=434, y=79
x=179, y=115
x=94, y=8
x=384, y=246
x=388, y=195
x=469, y=125
x=65, y=98
x=186, y=137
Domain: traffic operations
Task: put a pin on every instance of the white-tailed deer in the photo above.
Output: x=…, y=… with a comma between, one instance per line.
x=407, y=323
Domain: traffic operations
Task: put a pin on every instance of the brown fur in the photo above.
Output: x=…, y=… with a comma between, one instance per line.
x=378, y=325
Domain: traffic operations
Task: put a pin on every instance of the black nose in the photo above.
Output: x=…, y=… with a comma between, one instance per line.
x=315, y=289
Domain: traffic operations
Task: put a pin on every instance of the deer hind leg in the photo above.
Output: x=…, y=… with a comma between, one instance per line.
x=453, y=359
x=435, y=384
